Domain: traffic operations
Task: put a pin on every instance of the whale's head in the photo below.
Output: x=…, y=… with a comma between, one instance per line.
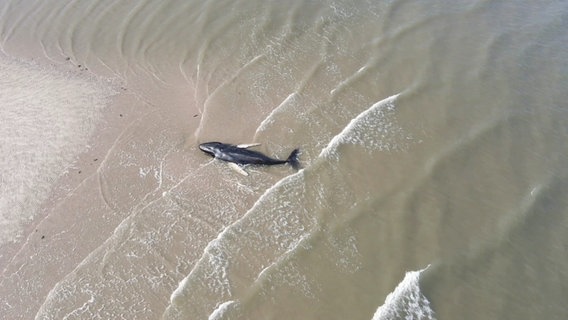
x=211, y=147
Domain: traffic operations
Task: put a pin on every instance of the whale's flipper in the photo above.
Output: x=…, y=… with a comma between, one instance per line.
x=245, y=146
x=238, y=168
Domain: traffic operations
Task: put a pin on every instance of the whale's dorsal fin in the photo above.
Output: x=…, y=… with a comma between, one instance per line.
x=248, y=145
x=238, y=168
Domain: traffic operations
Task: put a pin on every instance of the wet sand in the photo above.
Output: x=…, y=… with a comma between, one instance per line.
x=462, y=169
x=98, y=191
x=142, y=168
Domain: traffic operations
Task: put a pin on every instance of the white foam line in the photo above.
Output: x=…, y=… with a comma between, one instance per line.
x=78, y=311
x=288, y=254
x=197, y=80
x=264, y=271
x=120, y=76
x=200, y=58
x=274, y=111
x=109, y=152
x=44, y=49
x=293, y=95
x=231, y=79
x=309, y=75
x=158, y=175
x=153, y=72
x=332, y=144
x=406, y=296
x=236, y=74
x=178, y=291
x=354, y=77
x=123, y=223
x=221, y=309
x=184, y=74
x=165, y=193
x=337, y=140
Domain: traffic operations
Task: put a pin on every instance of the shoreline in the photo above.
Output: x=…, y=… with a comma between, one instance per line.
x=83, y=168
x=76, y=218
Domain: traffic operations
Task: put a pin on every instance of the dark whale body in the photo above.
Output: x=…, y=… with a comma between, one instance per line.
x=243, y=156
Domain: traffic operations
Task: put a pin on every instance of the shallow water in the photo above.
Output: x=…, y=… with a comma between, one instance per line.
x=433, y=144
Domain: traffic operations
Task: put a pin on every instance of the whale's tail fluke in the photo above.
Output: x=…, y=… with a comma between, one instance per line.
x=293, y=159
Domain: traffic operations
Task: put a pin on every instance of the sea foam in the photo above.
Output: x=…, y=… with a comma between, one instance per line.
x=406, y=301
x=374, y=128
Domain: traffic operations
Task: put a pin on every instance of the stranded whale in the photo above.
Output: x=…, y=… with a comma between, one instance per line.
x=239, y=155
